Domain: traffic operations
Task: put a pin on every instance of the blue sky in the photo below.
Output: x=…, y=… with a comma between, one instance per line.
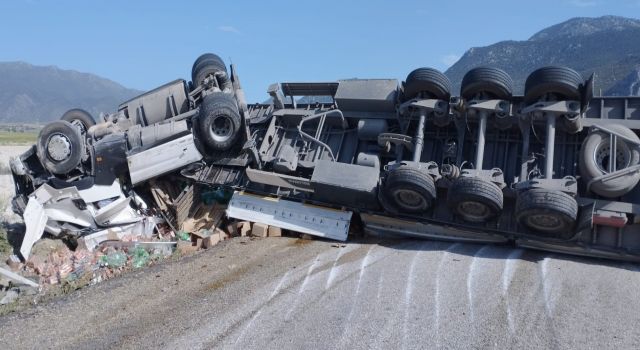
x=142, y=44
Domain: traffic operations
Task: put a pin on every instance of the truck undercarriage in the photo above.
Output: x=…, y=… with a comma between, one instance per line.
x=556, y=169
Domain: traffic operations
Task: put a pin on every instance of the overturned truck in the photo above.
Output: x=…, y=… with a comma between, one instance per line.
x=556, y=169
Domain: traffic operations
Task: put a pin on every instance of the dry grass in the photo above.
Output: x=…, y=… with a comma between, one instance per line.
x=17, y=138
x=5, y=247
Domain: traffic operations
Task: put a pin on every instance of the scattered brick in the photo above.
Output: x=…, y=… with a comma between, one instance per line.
x=275, y=231
x=211, y=241
x=259, y=229
x=185, y=248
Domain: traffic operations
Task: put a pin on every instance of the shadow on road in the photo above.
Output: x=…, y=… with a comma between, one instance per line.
x=499, y=251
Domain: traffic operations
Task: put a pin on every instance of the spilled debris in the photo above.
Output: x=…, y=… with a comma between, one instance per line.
x=141, y=238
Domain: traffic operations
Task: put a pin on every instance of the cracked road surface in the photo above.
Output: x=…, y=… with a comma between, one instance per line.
x=284, y=293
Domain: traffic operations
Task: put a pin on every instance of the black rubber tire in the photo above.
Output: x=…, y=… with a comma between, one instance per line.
x=429, y=81
x=206, y=65
x=410, y=190
x=589, y=167
x=559, y=206
x=219, y=121
x=208, y=56
x=563, y=82
x=80, y=116
x=72, y=135
x=474, y=193
x=493, y=81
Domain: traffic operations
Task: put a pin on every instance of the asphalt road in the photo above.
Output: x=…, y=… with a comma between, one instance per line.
x=283, y=293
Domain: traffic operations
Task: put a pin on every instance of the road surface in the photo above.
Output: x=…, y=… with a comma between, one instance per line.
x=284, y=293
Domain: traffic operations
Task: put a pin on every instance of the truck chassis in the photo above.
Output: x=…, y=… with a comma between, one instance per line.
x=556, y=169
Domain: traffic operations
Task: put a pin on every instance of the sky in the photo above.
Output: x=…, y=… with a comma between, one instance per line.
x=143, y=44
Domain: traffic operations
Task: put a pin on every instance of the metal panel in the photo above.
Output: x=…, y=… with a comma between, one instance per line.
x=35, y=219
x=381, y=225
x=317, y=221
x=309, y=89
x=158, y=104
x=345, y=184
x=163, y=159
x=373, y=95
x=99, y=192
x=279, y=180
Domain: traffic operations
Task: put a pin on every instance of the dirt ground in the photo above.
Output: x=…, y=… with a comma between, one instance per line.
x=8, y=220
x=6, y=182
x=286, y=293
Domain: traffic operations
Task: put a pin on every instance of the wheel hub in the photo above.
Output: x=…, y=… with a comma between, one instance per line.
x=545, y=222
x=221, y=128
x=59, y=147
x=474, y=211
x=410, y=199
x=78, y=124
x=602, y=153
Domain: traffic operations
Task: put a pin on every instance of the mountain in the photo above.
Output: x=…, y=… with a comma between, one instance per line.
x=38, y=94
x=608, y=46
x=629, y=86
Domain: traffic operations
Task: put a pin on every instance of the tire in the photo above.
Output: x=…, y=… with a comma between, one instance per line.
x=474, y=199
x=546, y=211
x=80, y=118
x=493, y=81
x=410, y=190
x=208, y=56
x=428, y=81
x=206, y=65
x=594, y=161
x=59, y=147
x=563, y=82
x=219, y=121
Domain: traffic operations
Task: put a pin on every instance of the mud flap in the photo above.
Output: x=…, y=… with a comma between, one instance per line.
x=584, y=223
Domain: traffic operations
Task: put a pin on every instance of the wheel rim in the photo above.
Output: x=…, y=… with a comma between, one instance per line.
x=221, y=128
x=410, y=199
x=546, y=222
x=601, y=155
x=58, y=147
x=80, y=125
x=474, y=211
x=204, y=79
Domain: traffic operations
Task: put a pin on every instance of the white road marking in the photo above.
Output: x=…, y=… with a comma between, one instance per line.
x=363, y=266
x=546, y=285
x=437, y=294
x=334, y=268
x=407, y=296
x=470, y=281
x=507, y=277
x=275, y=292
x=302, y=287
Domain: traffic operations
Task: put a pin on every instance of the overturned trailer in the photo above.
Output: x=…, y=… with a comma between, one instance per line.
x=556, y=169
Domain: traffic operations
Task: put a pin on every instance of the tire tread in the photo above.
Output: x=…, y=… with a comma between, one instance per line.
x=427, y=80
x=487, y=79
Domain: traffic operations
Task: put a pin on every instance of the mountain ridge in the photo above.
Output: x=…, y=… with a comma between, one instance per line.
x=607, y=46
x=38, y=94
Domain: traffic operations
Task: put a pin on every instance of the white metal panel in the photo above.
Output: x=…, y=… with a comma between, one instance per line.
x=100, y=192
x=163, y=159
x=317, y=221
x=34, y=219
